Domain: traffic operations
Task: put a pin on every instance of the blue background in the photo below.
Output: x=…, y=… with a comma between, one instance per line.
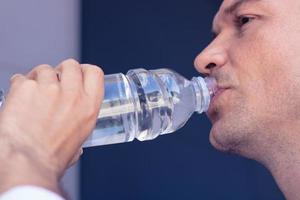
x=120, y=35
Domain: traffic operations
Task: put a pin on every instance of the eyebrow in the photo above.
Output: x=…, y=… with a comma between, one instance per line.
x=231, y=9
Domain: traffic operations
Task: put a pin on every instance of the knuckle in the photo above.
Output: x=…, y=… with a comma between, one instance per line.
x=95, y=69
x=99, y=71
x=15, y=78
x=42, y=66
x=69, y=62
x=44, y=69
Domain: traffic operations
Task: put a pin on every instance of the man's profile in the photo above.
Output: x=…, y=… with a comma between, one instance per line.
x=255, y=114
x=254, y=58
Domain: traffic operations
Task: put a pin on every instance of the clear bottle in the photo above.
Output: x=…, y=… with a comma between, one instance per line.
x=145, y=104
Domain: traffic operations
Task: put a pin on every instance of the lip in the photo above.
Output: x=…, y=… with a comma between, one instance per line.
x=220, y=91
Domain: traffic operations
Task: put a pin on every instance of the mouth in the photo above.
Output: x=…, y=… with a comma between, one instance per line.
x=212, y=111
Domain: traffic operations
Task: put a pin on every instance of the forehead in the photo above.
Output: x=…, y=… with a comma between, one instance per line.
x=230, y=5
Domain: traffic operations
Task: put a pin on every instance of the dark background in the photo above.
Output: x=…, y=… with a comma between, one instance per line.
x=119, y=35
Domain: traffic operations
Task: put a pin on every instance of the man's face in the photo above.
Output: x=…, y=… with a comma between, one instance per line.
x=255, y=58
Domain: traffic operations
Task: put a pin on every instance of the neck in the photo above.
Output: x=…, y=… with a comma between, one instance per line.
x=282, y=157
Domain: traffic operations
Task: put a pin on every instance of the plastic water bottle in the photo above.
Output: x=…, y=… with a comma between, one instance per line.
x=145, y=104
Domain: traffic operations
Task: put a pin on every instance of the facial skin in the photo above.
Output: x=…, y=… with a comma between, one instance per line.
x=255, y=58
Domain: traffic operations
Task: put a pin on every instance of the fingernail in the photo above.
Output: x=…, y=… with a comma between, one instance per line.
x=14, y=76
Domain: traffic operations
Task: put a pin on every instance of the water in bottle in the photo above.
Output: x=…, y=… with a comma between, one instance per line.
x=145, y=104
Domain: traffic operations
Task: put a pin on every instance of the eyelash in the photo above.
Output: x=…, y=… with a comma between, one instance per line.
x=238, y=20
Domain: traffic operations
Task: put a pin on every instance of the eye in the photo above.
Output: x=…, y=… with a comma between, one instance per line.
x=242, y=20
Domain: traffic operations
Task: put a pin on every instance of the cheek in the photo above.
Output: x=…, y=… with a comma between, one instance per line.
x=257, y=71
x=273, y=63
x=269, y=95
x=266, y=64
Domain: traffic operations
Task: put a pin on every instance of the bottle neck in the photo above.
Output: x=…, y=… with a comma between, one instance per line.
x=204, y=90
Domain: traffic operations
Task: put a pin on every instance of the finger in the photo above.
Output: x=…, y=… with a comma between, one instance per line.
x=93, y=82
x=15, y=81
x=43, y=74
x=70, y=74
x=76, y=157
x=17, y=78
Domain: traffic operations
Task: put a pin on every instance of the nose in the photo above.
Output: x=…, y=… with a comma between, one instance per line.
x=210, y=58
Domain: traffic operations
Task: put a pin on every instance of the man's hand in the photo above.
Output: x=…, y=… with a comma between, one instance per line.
x=45, y=119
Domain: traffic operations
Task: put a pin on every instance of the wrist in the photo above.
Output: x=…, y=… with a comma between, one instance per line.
x=21, y=168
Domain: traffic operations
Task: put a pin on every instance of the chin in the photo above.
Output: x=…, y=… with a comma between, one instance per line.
x=216, y=139
x=226, y=137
